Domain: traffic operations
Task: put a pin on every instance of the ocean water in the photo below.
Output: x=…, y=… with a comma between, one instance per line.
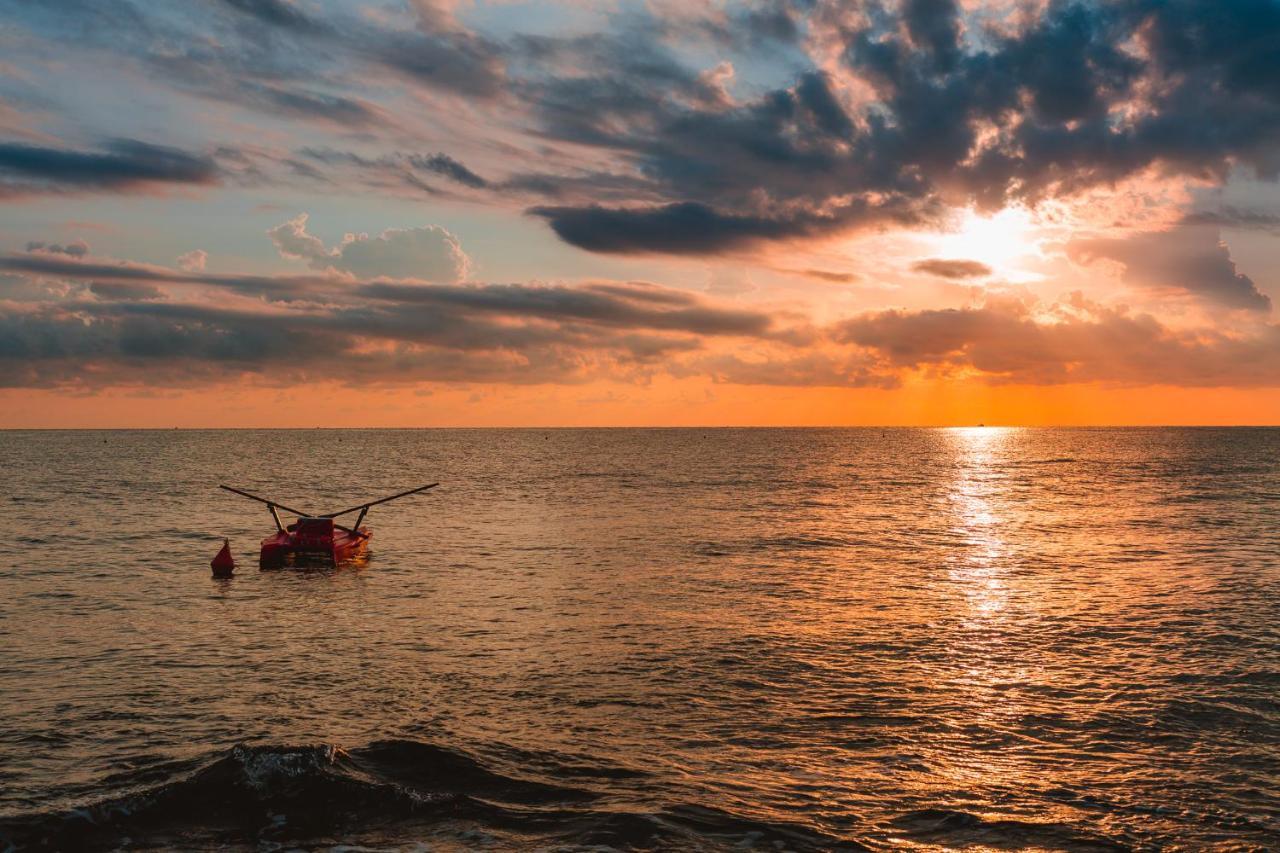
x=647, y=639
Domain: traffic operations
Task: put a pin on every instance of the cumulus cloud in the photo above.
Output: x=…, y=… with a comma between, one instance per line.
x=952, y=268
x=429, y=253
x=1192, y=259
x=193, y=261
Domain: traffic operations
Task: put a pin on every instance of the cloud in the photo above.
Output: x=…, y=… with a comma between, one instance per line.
x=824, y=275
x=952, y=268
x=857, y=115
x=95, y=322
x=443, y=164
x=818, y=369
x=124, y=165
x=1234, y=217
x=76, y=248
x=170, y=327
x=193, y=261
x=395, y=172
x=689, y=228
x=280, y=13
x=126, y=290
x=1076, y=342
x=304, y=103
x=1189, y=258
x=1080, y=96
x=428, y=254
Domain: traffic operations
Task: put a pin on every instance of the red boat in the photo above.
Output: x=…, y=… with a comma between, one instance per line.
x=316, y=539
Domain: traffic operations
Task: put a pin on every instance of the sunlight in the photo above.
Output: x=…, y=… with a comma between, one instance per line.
x=999, y=240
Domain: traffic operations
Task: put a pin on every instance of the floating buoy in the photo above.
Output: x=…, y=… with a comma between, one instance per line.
x=223, y=565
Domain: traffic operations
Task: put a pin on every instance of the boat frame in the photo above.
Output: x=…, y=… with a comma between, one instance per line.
x=316, y=539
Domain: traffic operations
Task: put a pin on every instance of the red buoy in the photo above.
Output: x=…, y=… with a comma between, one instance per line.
x=224, y=565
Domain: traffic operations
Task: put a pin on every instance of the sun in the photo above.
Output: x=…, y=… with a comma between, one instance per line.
x=1000, y=240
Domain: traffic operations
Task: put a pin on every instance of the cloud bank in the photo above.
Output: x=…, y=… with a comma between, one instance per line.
x=86, y=322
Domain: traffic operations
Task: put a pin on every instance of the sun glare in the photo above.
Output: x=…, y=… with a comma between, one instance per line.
x=999, y=240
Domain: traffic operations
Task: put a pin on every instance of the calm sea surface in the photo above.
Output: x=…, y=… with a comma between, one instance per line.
x=667, y=639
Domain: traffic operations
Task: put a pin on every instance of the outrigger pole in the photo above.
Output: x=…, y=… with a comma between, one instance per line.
x=354, y=530
x=364, y=508
x=271, y=505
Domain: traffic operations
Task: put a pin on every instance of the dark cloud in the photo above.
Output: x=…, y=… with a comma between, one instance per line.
x=455, y=60
x=275, y=55
x=76, y=248
x=1083, y=95
x=167, y=326
x=1189, y=258
x=825, y=275
x=630, y=305
x=686, y=228
x=124, y=164
x=900, y=111
x=279, y=13
x=690, y=228
x=1234, y=217
x=394, y=171
x=443, y=164
x=298, y=102
x=952, y=268
x=126, y=290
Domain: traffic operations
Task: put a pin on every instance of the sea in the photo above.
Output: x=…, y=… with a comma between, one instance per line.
x=646, y=639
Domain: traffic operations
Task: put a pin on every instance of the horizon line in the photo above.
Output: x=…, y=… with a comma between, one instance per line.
x=567, y=427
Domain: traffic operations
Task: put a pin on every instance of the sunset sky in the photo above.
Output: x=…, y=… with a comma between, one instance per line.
x=424, y=212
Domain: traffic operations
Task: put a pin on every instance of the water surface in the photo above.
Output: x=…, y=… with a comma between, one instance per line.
x=697, y=639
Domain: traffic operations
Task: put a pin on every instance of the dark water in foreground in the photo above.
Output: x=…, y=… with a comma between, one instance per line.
x=675, y=639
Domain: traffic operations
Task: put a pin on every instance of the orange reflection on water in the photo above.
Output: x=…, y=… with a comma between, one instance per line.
x=976, y=562
x=981, y=569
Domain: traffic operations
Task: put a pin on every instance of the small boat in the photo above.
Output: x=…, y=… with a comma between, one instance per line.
x=316, y=539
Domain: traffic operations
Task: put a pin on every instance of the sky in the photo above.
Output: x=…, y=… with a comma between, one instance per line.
x=244, y=213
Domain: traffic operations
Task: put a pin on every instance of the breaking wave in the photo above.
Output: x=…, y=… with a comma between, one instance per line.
x=389, y=792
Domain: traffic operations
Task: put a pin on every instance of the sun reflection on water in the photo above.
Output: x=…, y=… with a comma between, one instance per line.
x=977, y=565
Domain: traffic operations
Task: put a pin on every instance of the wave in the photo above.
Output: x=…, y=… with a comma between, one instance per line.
x=958, y=829
x=389, y=792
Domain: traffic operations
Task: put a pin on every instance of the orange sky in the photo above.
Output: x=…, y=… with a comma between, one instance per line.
x=676, y=403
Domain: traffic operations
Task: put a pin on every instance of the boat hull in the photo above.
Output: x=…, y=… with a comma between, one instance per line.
x=288, y=548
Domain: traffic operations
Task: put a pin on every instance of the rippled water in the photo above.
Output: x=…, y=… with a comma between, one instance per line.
x=795, y=639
